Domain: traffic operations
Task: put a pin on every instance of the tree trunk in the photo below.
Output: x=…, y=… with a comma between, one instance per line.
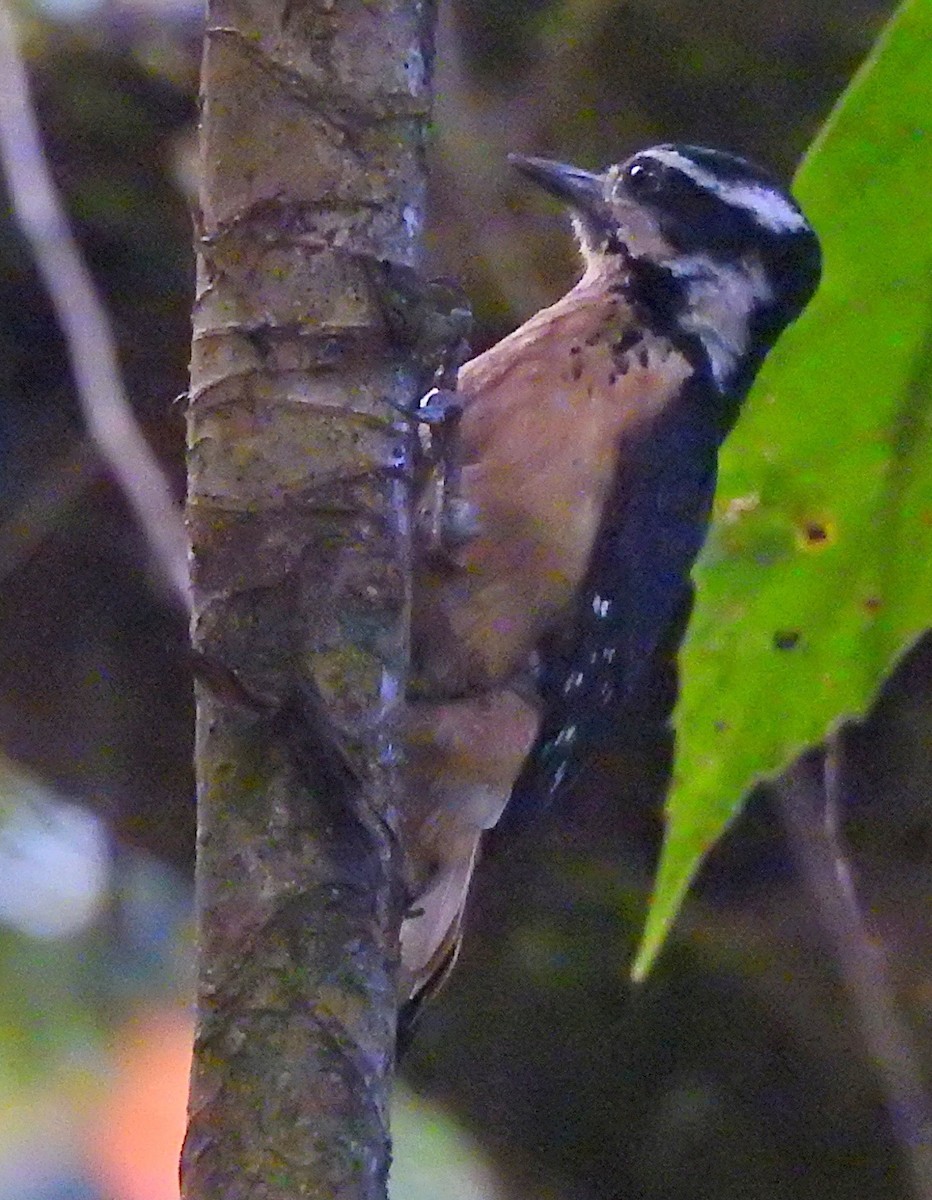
x=311, y=156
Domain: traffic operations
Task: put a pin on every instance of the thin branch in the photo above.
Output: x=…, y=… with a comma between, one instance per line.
x=83, y=319
x=810, y=803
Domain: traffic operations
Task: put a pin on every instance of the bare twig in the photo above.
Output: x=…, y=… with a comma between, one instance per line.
x=83, y=319
x=809, y=800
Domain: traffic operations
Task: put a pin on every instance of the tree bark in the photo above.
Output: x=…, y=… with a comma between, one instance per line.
x=313, y=124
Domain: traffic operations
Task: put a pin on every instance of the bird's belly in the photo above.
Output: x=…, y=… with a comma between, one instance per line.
x=538, y=493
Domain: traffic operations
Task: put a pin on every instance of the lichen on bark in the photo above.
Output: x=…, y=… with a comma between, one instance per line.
x=313, y=123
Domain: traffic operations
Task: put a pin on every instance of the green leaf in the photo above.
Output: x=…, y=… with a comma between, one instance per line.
x=433, y=1156
x=818, y=570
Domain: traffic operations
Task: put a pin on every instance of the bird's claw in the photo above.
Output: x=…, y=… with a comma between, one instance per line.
x=439, y=408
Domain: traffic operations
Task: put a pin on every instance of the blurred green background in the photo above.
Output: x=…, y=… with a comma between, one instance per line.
x=737, y=1071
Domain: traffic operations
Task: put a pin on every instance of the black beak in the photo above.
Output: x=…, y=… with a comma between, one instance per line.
x=579, y=189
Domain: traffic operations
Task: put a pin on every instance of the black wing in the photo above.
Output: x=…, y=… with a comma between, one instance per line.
x=611, y=676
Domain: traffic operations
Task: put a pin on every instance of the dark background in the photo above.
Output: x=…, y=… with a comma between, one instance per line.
x=737, y=1071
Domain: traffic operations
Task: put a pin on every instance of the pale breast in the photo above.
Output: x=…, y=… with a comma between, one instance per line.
x=550, y=414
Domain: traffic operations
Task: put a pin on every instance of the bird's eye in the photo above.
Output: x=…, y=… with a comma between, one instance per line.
x=642, y=177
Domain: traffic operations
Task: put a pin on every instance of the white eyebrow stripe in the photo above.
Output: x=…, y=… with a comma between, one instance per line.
x=765, y=204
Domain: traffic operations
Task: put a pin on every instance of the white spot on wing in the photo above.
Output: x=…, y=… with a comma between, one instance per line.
x=573, y=682
x=766, y=205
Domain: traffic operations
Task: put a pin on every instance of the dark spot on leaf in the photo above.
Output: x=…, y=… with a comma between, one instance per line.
x=720, y=726
x=594, y=338
x=643, y=356
x=873, y=604
x=577, y=370
x=786, y=639
x=612, y=379
x=816, y=533
x=575, y=349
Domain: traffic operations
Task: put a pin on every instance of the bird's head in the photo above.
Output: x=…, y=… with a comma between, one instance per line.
x=710, y=245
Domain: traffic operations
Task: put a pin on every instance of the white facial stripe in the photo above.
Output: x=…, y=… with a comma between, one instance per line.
x=720, y=300
x=768, y=208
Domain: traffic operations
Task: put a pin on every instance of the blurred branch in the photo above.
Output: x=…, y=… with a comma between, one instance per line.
x=810, y=804
x=83, y=319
